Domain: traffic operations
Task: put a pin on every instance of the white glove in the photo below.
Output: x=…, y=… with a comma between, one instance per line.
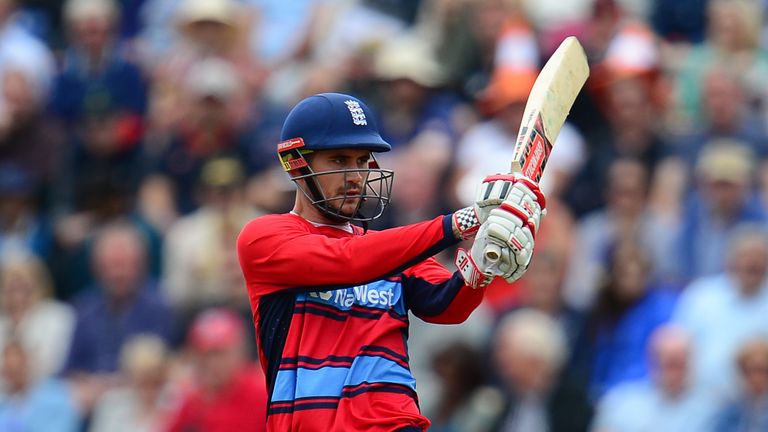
x=491, y=192
x=509, y=232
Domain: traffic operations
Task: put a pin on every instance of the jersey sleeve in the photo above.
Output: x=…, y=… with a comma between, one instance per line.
x=438, y=296
x=281, y=254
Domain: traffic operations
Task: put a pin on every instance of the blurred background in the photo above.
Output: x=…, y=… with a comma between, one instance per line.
x=137, y=137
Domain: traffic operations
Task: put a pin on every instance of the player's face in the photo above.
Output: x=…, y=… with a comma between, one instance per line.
x=342, y=189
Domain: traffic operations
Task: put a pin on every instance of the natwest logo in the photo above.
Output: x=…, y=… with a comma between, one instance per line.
x=364, y=295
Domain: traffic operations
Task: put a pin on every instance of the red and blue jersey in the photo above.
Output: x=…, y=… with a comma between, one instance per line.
x=331, y=307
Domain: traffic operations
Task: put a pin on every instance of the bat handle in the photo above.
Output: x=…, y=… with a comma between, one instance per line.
x=492, y=253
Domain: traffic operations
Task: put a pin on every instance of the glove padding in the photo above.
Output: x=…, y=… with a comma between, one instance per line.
x=493, y=191
x=509, y=230
x=496, y=189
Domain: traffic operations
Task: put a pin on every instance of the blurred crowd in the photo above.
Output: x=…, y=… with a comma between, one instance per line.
x=137, y=137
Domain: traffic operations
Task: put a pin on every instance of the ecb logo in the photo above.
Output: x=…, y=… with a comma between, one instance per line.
x=358, y=116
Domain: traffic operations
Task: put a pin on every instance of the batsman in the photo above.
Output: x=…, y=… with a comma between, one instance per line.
x=330, y=299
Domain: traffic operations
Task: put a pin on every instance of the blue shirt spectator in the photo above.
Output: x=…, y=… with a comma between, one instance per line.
x=620, y=349
x=97, y=75
x=102, y=329
x=748, y=411
x=723, y=200
x=48, y=407
x=124, y=302
x=666, y=401
x=629, y=307
x=721, y=312
x=639, y=406
x=33, y=406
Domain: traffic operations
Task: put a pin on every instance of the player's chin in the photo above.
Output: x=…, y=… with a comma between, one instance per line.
x=348, y=207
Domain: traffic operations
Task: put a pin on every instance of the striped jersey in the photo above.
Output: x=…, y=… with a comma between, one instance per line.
x=330, y=306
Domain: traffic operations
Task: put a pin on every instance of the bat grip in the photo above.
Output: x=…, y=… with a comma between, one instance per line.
x=492, y=253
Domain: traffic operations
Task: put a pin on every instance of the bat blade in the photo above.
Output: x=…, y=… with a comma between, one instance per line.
x=549, y=103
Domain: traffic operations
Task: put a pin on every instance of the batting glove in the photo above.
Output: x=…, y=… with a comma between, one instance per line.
x=491, y=193
x=509, y=233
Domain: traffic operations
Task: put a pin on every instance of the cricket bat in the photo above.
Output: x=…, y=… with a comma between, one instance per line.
x=549, y=102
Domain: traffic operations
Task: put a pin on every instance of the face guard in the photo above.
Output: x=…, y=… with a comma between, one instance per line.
x=371, y=199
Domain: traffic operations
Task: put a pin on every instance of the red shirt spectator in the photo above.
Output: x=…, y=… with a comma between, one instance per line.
x=227, y=394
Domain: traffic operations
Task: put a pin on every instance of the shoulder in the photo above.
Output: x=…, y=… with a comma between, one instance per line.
x=628, y=394
x=53, y=313
x=89, y=302
x=50, y=307
x=706, y=289
x=267, y=225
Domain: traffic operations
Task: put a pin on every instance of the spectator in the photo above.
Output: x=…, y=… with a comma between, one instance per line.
x=205, y=29
x=225, y=392
x=22, y=225
x=726, y=115
x=723, y=199
x=29, y=140
x=629, y=129
x=732, y=44
x=124, y=302
x=462, y=376
x=210, y=127
x=101, y=96
x=542, y=287
x=141, y=404
x=418, y=118
x=411, y=106
x=97, y=71
x=723, y=311
x=43, y=326
x=626, y=216
x=201, y=267
x=629, y=307
x=529, y=351
x=34, y=406
x=666, y=401
x=749, y=410
x=20, y=48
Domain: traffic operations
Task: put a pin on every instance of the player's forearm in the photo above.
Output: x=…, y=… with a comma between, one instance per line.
x=305, y=259
x=446, y=302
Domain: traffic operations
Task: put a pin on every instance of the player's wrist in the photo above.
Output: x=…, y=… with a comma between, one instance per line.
x=465, y=223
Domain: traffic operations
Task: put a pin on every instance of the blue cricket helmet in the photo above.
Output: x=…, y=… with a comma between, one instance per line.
x=331, y=121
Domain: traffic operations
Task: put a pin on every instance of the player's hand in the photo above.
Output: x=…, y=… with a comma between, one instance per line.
x=510, y=230
x=493, y=191
x=496, y=189
x=478, y=270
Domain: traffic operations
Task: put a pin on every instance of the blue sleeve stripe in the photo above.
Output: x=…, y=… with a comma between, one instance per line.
x=329, y=381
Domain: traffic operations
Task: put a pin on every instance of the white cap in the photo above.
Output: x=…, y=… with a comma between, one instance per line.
x=409, y=57
x=212, y=77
